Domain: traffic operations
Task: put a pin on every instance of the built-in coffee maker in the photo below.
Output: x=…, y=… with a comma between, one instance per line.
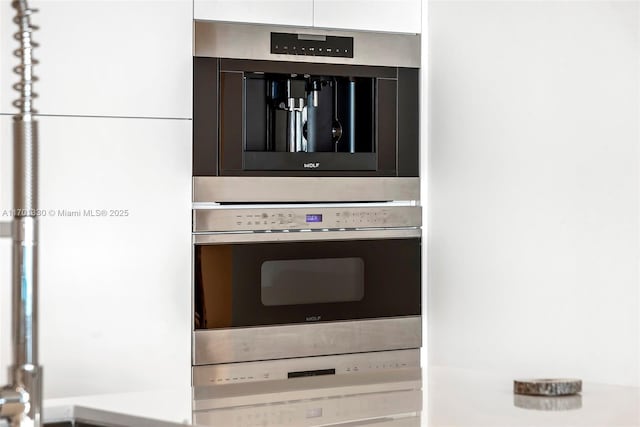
x=278, y=117
x=306, y=216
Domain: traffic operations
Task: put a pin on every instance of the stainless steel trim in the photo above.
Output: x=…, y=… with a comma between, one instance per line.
x=293, y=205
x=306, y=388
x=305, y=236
x=253, y=41
x=269, y=370
x=260, y=219
x=226, y=189
x=302, y=340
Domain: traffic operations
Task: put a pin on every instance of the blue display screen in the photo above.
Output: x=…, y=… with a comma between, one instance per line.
x=314, y=218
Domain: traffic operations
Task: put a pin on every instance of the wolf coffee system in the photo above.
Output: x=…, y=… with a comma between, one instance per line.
x=306, y=216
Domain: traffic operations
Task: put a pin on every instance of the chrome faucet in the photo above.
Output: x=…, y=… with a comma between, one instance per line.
x=21, y=401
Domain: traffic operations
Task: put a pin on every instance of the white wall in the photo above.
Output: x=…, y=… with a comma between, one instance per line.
x=534, y=188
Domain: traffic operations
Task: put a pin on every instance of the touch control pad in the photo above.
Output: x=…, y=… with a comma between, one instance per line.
x=305, y=219
x=311, y=45
x=297, y=220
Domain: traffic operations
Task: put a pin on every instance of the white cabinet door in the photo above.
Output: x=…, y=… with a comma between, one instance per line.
x=401, y=16
x=283, y=12
x=115, y=289
x=105, y=58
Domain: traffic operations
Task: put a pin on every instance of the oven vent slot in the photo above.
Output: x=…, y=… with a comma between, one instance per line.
x=314, y=373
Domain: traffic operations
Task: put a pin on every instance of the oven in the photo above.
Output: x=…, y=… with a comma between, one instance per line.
x=287, y=289
x=306, y=206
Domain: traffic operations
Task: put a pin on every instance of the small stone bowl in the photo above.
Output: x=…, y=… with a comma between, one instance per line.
x=548, y=387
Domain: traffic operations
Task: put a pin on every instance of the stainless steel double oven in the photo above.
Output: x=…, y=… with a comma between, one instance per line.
x=306, y=216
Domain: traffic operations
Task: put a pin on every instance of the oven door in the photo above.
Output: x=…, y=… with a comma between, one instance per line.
x=273, y=299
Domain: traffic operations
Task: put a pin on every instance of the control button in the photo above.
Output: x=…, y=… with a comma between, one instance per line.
x=314, y=412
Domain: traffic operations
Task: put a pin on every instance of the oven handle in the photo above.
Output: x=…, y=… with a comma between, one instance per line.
x=306, y=236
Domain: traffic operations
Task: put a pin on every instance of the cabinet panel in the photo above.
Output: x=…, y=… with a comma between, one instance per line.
x=283, y=12
x=402, y=16
x=114, y=290
x=105, y=58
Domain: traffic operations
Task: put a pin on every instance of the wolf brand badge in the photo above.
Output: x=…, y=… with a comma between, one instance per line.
x=313, y=318
x=311, y=165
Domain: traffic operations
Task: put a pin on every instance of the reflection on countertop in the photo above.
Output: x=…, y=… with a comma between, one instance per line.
x=388, y=398
x=548, y=403
x=395, y=398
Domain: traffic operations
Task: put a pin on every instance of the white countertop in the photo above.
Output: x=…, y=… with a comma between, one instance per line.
x=453, y=398
x=474, y=399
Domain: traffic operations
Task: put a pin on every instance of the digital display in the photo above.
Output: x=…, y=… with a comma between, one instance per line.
x=314, y=218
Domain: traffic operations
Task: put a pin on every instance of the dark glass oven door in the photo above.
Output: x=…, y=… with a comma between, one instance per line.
x=254, y=284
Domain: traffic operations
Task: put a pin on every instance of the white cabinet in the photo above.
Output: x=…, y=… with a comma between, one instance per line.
x=282, y=12
x=125, y=280
x=115, y=290
x=401, y=16
x=105, y=58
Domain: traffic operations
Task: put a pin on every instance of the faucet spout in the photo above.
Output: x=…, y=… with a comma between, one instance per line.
x=21, y=402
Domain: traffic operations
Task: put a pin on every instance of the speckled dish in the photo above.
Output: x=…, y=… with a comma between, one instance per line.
x=548, y=387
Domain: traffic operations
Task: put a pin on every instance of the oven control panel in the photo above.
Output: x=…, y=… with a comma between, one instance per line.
x=280, y=369
x=305, y=219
